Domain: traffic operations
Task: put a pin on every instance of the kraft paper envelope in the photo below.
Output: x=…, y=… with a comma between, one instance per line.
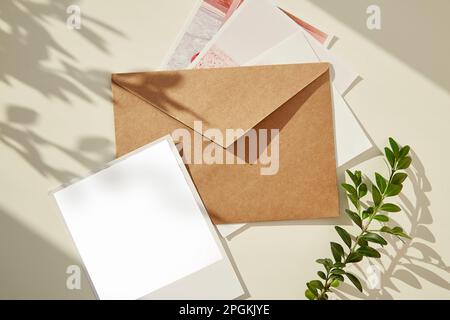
x=294, y=99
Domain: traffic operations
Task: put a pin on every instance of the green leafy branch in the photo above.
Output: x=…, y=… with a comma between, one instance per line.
x=359, y=246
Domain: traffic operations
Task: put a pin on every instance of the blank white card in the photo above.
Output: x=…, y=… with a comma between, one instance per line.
x=137, y=224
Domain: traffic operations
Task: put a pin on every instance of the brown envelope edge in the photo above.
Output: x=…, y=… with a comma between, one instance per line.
x=122, y=80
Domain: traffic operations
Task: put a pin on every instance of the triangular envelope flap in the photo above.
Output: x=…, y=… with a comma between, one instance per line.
x=222, y=98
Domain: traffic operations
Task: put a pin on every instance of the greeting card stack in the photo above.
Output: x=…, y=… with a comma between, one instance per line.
x=249, y=105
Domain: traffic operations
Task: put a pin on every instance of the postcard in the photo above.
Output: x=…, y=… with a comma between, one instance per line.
x=243, y=38
x=140, y=226
x=205, y=21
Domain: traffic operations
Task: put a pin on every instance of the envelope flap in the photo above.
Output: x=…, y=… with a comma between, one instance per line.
x=222, y=98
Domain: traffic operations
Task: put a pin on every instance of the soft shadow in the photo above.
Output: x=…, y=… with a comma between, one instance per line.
x=353, y=85
x=26, y=45
x=403, y=265
x=227, y=250
x=31, y=267
x=154, y=88
x=332, y=41
x=414, y=31
x=18, y=135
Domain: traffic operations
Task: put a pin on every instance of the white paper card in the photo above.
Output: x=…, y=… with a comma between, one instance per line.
x=137, y=224
x=343, y=75
x=236, y=43
x=255, y=27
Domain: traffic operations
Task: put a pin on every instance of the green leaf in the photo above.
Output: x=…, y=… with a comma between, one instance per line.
x=335, y=283
x=355, y=281
x=354, y=257
x=337, y=271
x=326, y=262
x=390, y=157
x=381, y=218
x=358, y=176
x=337, y=277
x=386, y=229
x=312, y=289
x=339, y=265
x=345, y=236
x=362, y=190
x=322, y=275
x=366, y=213
x=362, y=242
x=337, y=251
x=373, y=237
x=404, y=163
x=394, y=146
x=381, y=182
x=354, y=199
x=349, y=188
x=393, y=190
x=309, y=295
x=376, y=195
x=398, y=231
x=390, y=207
x=316, y=284
x=399, y=177
x=355, y=217
x=403, y=235
x=368, y=252
x=354, y=178
x=404, y=151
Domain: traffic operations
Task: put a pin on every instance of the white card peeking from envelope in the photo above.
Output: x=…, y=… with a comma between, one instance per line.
x=142, y=230
x=257, y=26
x=350, y=138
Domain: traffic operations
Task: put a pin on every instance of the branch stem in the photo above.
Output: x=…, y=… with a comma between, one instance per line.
x=364, y=230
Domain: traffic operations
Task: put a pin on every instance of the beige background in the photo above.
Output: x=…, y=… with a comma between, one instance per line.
x=56, y=123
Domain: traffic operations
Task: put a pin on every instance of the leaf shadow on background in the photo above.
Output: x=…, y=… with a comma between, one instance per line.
x=33, y=267
x=26, y=44
x=18, y=135
x=154, y=89
x=402, y=264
